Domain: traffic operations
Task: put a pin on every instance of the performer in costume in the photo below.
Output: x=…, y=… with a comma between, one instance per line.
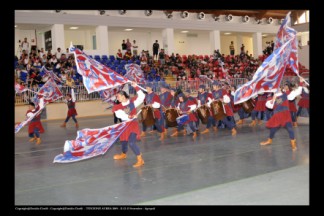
x=70, y=100
x=292, y=104
x=259, y=108
x=203, y=98
x=240, y=111
x=165, y=98
x=281, y=116
x=126, y=110
x=186, y=107
x=35, y=126
x=187, y=94
x=153, y=100
x=220, y=94
x=304, y=101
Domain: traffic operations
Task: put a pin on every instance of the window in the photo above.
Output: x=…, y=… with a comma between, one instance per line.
x=303, y=18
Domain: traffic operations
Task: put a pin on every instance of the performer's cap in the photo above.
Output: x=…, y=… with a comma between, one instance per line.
x=31, y=104
x=181, y=95
x=202, y=87
x=216, y=83
x=150, y=85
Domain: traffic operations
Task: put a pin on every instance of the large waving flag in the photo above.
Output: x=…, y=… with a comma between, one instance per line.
x=96, y=76
x=20, y=125
x=135, y=73
x=91, y=142
x=50, y=74
x=268, y=76
x=40, y=107
x=49, y=91
x=19, y=88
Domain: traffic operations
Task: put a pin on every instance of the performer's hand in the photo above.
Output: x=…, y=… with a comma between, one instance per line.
x=134, y=84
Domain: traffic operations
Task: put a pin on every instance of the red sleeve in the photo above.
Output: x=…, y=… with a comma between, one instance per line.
x=117, y=107
x=156, y=99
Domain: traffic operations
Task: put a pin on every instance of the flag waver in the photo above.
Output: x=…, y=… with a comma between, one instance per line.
x=96, y=76
x=49, y=91
x=50, y=74
x=268, y=76
x=20, y=88
x=91, y=143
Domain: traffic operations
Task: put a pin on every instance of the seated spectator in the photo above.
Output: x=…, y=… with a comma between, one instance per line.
x=119, y=55
x=128, y=55
x=69, y=82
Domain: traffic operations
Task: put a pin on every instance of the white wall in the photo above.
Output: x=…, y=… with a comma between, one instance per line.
x=225, y=43
x=185, y=45
x=248, y=43
x=303, y=56
x=21, y=34
x=265, y=39
x=79, y=37
x=144, y=40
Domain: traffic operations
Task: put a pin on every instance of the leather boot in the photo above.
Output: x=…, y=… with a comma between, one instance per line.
x=234, y=132
x=253, y=123
x=140, y=161
x=120, y=156
x=143, y=134
x=205, y=131
x=295, y=124
x=194, y=135
x=63, y=125
x=240, y=122
x=267, y=142
x=76, y=125
x=38, y=141
x=162, y=136
x=215, y=128
x=184, y=132
x=33, y=139
x=260, y=122
x=293, y=144
x=175, y=133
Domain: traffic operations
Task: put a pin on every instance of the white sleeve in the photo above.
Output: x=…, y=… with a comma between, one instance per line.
x=209, y=102
x=122, y=115
x=226, y=99
x=140, y=98
x=306, y=90
x=41, y=103
x=156, y=105
x=270, y=104
x=192, y=107
x=73, y=95
x=29, y=114
x=293, y=94
x=232, y=93
x=199, y=103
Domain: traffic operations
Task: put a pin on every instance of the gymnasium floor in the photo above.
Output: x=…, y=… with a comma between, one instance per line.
x=216, y=169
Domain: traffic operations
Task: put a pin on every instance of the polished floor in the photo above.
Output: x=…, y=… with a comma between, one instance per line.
x=215, y=169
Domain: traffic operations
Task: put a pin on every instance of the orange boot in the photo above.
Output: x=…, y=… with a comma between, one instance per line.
x=267, y=142
x=295, y=124
x=253, y=123
x=140, y=161
x=260, y=122
x=184, y=132
x=205, y=131
x=143, y=134
x=162, y=136
x=194, y=135
x=175, y=133
x=215, y=128
x=120, y=156
x=76, y=125
x=240, y=122
x=293, y=144
x=38, y=141
x=234, y=132
x=63, y=125
x=33, y=139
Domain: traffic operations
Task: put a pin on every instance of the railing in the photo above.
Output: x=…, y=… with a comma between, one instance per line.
x=191, y=85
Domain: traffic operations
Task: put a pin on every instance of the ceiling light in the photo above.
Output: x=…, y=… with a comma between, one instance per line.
x=264, y=35
x=184, y=14
x=74, y=27
x=102, y=12
x=148, y=12
x=184, y=31
x=128, y=29
x=122, y=12
x=227, y=33
x=216, y=18
x=15, y=26
x=201, y=15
